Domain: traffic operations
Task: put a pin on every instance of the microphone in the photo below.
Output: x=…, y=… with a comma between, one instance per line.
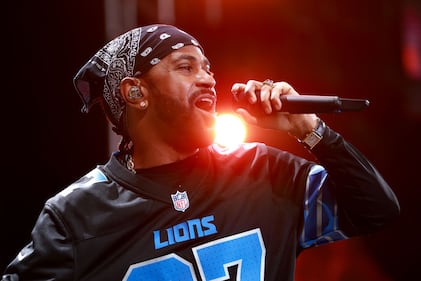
x=305, y=103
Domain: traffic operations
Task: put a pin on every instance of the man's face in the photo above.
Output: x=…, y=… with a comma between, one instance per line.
x=182, y=99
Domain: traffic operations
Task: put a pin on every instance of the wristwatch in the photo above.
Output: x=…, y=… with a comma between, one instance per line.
x=315, y=136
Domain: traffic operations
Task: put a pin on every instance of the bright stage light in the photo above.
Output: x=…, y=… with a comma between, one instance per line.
x=230, y=130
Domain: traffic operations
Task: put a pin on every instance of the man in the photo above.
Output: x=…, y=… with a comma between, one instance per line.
x=170, y=205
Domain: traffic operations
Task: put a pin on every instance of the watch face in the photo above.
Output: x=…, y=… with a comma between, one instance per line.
x=312, y=139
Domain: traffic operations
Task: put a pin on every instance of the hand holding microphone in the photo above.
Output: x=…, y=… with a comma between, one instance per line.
x=304, y=103
x=256, y=101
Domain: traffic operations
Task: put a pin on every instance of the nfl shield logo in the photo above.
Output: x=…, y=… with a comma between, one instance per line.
x=180, y=201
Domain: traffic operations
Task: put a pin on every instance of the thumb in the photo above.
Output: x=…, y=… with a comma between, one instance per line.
x=246, y=116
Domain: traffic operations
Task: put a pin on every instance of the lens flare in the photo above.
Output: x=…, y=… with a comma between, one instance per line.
x=230, y=130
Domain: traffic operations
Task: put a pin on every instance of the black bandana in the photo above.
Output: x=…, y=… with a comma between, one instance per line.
x=133, y=52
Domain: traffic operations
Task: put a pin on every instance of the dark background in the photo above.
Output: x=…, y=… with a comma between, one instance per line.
x=348, y=48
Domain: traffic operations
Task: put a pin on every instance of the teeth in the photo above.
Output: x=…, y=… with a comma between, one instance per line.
x=205, y=103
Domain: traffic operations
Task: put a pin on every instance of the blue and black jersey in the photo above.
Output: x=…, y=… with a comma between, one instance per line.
x=242, y=213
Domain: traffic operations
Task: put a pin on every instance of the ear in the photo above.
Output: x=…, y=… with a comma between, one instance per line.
x=132, y=91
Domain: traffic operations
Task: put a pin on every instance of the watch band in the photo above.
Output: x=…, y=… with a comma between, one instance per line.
x=315, y=136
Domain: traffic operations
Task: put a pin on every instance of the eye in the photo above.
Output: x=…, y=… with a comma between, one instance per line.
x=186, y=67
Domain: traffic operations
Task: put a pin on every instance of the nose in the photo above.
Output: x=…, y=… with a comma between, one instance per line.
x=206, y=78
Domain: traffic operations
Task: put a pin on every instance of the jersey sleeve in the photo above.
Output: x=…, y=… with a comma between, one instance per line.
x=345, y=195
x=49, y=254
x=320, y=211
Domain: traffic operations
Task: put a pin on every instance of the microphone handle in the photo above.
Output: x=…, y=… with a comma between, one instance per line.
x=305, y=104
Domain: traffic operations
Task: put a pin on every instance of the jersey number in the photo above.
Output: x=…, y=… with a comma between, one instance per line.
x=246, y=250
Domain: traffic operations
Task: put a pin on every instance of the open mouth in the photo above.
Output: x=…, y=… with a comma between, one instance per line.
x=206, y=102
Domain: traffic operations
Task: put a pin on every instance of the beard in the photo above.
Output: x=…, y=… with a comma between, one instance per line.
x=184, y=126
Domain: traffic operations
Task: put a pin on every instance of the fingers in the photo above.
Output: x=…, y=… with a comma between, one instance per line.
x=267, y=93
x=249, y=90
x=281, y=88
x=266, y=96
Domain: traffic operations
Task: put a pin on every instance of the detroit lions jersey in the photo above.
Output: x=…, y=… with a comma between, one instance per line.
x=243, y=213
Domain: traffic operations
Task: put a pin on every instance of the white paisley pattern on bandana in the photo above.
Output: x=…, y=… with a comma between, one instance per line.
x=120, y=56
x=133, y=52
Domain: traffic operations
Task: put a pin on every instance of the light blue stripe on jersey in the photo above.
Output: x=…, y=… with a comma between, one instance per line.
x=320, y=211
x=92, y=177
